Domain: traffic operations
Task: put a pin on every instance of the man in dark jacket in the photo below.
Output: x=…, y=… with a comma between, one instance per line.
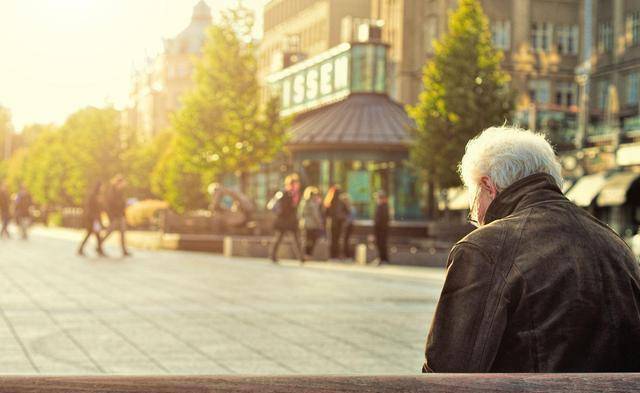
x=540, y=286
x=381, y=227
x=285, y=205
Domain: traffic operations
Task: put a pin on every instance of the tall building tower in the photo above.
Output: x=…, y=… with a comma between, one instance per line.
x=158, y=87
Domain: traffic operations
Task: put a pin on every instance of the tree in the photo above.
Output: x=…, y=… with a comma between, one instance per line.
x=222, y=128
x=139, y=161
x=44, y=168
x=58, y=164
x=465, y=91
x=176, y=183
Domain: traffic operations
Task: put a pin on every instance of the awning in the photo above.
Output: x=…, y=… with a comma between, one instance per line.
x=614, y=192
x=586, y=189
x=373, y=121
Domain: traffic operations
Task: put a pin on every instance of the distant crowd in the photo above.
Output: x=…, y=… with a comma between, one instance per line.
x=315, y=216
x=18, y=208
x=110, y=199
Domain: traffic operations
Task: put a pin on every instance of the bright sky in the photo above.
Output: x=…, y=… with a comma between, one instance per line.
x=57, y=56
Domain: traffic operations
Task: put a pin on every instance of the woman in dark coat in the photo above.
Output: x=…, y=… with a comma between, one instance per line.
x=91, y=218
x=337, y=213
x=285, y=205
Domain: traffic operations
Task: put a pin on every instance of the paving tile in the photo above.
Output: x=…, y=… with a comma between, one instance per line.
x=188, y=313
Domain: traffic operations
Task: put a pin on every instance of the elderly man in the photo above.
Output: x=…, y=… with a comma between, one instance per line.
x=540, y=286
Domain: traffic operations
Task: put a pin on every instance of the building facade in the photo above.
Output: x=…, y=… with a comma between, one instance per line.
x=298, y=29
x=540, y=40
x=606, y=166
x=157, y=87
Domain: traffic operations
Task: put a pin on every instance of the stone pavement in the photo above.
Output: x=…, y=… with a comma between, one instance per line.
x=171, y=312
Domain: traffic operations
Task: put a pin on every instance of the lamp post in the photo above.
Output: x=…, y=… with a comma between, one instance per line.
x=583, y=73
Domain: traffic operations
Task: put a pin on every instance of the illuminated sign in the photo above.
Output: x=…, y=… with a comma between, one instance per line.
x=331, y=76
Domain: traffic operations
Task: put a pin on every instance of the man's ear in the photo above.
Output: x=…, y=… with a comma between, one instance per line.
x=489, y=186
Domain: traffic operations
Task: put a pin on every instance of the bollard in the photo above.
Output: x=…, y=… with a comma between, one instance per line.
x=227, y=246
x=361, y=254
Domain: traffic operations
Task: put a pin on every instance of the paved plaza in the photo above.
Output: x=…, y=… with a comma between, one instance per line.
x=169, y=312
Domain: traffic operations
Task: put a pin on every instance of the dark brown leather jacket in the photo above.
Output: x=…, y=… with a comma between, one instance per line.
x=543, y=287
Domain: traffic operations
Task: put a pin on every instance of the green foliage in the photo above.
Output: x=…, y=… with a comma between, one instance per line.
x=139, y=161
x=58, y=164
x=221, y=128
x=465, y=91
x=176, y=183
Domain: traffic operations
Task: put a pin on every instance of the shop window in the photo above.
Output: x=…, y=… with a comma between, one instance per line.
x=408, y=195
x=633, y=81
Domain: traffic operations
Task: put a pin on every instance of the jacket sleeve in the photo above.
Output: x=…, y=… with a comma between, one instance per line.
x=469, y=321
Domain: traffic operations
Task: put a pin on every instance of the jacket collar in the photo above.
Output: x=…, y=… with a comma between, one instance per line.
x=533, y=189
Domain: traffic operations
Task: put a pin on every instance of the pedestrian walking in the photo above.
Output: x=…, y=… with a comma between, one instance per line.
x=347, y=229
x=5, y=210
x=115, y=206
x=381, y=227
x=91, y=219
x=311, y=219
x=22, y=211
x=284, y=204
x=336, y=212
x=541, y=285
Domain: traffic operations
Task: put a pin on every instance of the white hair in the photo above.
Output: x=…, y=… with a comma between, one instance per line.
x=506, y=155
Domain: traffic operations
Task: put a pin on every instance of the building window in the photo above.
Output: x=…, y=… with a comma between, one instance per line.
x=541, y=36
x=501, y=34
x=539, y=91
x=602, y=93
x=632, y=84
x=566, y=94
x=605, y=37
x=567, y=39
x=633, y=29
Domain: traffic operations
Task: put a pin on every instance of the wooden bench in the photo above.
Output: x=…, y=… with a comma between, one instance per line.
x=435, y=383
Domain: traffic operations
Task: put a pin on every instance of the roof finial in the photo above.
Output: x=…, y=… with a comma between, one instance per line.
x=201, y=12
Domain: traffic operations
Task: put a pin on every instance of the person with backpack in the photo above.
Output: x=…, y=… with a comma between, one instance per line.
x=284, y=204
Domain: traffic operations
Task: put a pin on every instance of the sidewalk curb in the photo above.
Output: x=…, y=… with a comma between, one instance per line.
x=169, y=242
